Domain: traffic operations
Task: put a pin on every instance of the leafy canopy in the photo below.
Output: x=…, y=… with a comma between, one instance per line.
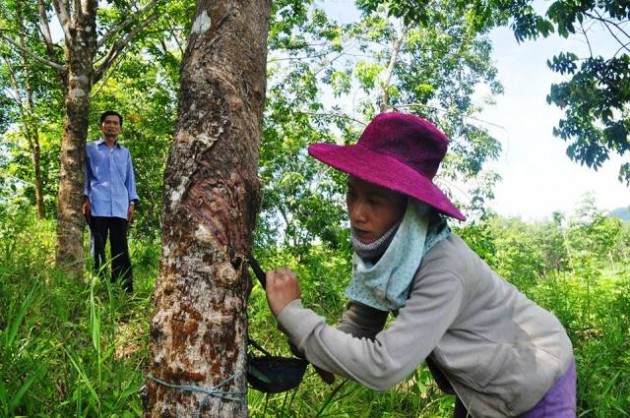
x=596, y=91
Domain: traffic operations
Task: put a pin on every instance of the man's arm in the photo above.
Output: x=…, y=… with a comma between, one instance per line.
x=378, y=363
x=132, y=204
x=130, y=184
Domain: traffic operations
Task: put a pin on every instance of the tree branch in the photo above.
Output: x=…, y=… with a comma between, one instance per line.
x=36, y=57
x=102, y=82
x=588, y=41
x=339, y=115
x=117, y=48
x=44, y=29
x=390, y=68
x=174, y=34
x=302, y=58
x=17, y=96
x=61, y=8
x=127, y=22
x=624, y=46
x=323, y=66
x=607, y=23
x=19, y=101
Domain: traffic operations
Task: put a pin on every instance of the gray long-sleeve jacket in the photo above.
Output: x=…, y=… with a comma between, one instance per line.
x=499, y=351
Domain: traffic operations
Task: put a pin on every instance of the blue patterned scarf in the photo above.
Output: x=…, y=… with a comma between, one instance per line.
x=385, y=283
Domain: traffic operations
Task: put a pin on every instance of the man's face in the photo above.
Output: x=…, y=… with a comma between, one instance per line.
x=111, y=126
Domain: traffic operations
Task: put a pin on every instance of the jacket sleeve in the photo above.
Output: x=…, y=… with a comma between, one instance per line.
x=395, y=352
x=362, y=321
x=130, y=181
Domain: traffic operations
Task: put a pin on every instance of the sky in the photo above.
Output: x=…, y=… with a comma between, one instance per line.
x=538, y=177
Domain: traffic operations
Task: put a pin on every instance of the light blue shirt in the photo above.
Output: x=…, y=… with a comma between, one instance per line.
x=109, y=180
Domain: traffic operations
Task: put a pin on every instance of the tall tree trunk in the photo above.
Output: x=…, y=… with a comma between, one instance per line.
x=80, y=49
x=31, y=127
x=31, y=131
x=29, y=121
x=39, y=184
x=198, y=332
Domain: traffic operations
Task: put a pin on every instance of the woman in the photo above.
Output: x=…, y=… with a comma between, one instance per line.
x=500, y=353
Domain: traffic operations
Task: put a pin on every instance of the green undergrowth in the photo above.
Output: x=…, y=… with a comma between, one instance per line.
x=67, y=348
x=80, y=349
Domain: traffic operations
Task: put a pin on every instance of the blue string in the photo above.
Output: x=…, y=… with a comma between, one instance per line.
x=213, y=391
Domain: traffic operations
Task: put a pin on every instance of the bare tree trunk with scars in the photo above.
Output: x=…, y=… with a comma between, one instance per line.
x=199, y=327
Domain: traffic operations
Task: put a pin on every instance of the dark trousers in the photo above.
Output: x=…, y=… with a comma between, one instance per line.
x=116, y=228
x=460, y=409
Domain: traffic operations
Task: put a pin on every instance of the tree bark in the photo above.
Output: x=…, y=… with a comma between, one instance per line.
x=31, y=131
x=198, y=331
x=39, y=183
x=80, y=50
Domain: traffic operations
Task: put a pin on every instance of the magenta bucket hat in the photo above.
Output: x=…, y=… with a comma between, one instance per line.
x=399, y=151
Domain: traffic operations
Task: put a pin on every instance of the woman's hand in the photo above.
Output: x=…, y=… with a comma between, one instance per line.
x=282, y=288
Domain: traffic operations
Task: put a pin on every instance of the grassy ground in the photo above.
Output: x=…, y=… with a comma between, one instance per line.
x=70, y=349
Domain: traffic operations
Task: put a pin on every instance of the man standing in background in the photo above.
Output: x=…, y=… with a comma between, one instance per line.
x=109, y=198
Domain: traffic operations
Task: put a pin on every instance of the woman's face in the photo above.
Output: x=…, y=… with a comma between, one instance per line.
x=372, y=209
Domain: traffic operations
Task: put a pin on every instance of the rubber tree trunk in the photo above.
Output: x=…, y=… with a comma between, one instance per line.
x=199, y=327
x=80, y=50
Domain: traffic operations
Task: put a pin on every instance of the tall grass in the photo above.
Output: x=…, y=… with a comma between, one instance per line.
x=67, y=348
x=80, y=349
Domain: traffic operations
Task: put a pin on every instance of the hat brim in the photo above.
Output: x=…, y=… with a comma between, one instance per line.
x=385, y=171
